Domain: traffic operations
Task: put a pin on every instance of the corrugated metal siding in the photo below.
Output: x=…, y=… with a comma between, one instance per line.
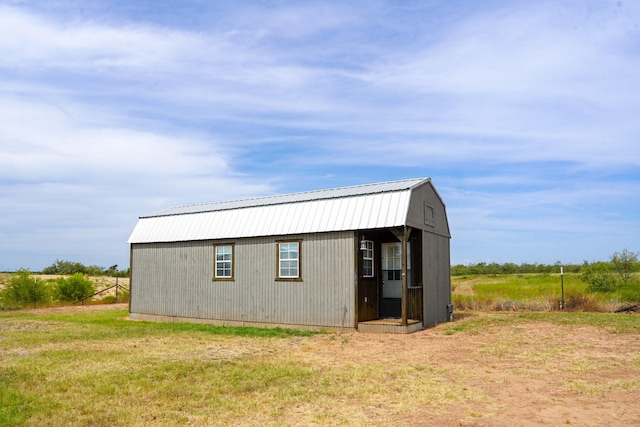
x=316, y=216
x=175, y=279
x=416, y=213
x=437, y=278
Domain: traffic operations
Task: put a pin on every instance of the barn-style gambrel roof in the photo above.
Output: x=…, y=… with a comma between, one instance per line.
x=360, y=207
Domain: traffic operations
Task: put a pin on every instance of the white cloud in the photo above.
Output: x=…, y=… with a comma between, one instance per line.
x=147, y=114
x=34, y=41
x=57, y=144
x=519, y=84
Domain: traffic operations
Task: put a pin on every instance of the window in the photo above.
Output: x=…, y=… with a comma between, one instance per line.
x=367, y=259
x=289, y=260
x=429, y=215
x=392, y=261
x=223, y=262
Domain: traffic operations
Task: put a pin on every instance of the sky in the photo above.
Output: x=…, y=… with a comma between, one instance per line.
x=526, y=115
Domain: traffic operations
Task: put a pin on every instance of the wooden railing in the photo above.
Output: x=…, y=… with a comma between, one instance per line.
x=117, y=286
x=415, y=303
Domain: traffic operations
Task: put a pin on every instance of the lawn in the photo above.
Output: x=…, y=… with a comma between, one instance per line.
x=91, y=366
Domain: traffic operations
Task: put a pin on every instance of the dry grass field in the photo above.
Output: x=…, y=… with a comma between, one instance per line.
x=90, y=366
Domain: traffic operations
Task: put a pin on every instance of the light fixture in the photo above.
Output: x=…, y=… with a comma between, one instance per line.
x=363, y=244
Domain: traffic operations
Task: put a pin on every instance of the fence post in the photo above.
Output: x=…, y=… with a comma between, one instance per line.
x=562, y=288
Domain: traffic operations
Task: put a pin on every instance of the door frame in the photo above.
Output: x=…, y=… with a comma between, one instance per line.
x=403, y=236
x=367, y=288
x=390, y=306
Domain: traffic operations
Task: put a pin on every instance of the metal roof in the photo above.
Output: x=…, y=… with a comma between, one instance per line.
x=348, y=208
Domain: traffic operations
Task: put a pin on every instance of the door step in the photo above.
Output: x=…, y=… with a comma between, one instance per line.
x=390, y=326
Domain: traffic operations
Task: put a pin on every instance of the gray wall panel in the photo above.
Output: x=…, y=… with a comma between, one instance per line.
x=175, y=279
x=426, y=193
x=437, y=279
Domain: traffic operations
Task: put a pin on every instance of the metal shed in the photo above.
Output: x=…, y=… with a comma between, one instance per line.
x=370, y=257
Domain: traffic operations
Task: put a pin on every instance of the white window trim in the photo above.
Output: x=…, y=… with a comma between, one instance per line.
x=279, y=275
x=370, y=247
x=215, y=261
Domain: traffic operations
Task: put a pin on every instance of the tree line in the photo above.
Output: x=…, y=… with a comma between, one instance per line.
x=600, y=276
x=70, y=267
x=511, y=268
x=625, y=262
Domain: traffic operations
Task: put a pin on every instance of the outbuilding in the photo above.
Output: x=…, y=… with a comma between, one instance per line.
x=369, y=257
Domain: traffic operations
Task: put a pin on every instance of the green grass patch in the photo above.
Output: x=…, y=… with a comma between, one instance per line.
x=91, y=366
x=96, y=368
x=116, y=321
x=15, y=406
x=537, y=292
x=521, y=287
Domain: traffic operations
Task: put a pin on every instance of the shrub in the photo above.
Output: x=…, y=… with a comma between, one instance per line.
x=629, y=293
x=123, y=296
x=505, y=305
x=625, y=264
x=74, y=288
x=24, y=289
x=600, y=277
x=584, y=302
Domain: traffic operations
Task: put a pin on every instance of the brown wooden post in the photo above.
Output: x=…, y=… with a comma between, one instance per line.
x=405, y=289
x=356, y=311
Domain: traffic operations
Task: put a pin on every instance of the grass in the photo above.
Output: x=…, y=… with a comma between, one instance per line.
x=96, y=368
x=87, y=364
x=518, y=286
x=536, y=292
x=482, y=322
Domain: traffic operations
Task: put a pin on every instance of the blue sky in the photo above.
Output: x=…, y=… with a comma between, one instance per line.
x=524, y=114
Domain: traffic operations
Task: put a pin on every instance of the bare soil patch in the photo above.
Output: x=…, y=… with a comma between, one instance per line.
x=531, y=374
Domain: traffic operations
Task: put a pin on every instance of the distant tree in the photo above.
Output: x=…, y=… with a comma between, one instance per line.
x=599, y=276
x=625, y=264
x=111, y=271
x=24, y=289
x=74, y=288
x=493, y=268
x=509, y=268
x=121, y=273
x=94, y=270
x=64, y=267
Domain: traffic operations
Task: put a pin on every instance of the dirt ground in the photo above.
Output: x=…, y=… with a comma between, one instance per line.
x=529, y=374
x=520, y=373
